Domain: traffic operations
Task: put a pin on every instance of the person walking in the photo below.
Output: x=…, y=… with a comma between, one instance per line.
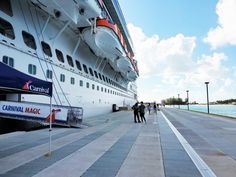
x=158, y=108
x=155, y=108
x=142, y=112
x=135, y=108
x=149, y=108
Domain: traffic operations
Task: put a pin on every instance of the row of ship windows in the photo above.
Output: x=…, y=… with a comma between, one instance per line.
x=32, y=69
x=6, y=29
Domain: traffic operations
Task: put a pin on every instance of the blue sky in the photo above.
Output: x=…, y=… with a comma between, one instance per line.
x=169, y=17
x=180, y=44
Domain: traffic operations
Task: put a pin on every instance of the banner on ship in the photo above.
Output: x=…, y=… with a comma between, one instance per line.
x=14, y=81
x=32, y=110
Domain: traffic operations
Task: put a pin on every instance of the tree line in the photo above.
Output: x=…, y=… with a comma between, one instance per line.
x=174, y=101
x=179, y=101
x=230, y=101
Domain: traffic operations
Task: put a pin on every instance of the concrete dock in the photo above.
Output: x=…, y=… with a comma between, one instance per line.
x=173, y=143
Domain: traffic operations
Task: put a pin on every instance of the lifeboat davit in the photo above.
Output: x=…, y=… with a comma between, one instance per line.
x=105, y=41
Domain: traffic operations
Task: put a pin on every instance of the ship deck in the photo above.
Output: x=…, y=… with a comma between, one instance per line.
x=172, y=143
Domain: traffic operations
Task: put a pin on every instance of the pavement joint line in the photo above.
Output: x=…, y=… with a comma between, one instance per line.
x=130, y=136
x=155, y=120
x=134, y=159
x=14, y=141
x=48, y=162
x=63, y=170
x=12, y=134
x=203, y=168
x=32, y=143
x=42, y=148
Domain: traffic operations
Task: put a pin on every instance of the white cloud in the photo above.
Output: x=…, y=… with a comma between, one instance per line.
x=211, y=67
x=154, y=54
x=228, y=82
x=167, y=68
x=224, y=33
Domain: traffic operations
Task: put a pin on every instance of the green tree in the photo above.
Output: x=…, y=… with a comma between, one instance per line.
x=173, y=101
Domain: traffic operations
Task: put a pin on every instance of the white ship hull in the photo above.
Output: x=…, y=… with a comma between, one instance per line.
x=94, y=94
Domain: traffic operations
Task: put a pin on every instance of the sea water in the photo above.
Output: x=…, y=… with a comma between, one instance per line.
x=221, y=109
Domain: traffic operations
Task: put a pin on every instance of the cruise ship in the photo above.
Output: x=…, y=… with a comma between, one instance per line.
x=82, y=47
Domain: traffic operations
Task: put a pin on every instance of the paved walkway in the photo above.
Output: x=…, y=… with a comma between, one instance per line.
x=171, y=143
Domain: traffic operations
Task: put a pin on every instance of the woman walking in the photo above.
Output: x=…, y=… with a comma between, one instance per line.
x=142, y=112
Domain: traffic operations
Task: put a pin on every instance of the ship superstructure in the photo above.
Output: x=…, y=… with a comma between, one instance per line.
x=82, y=46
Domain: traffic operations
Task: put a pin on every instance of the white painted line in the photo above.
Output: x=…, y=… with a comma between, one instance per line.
x=203, y=168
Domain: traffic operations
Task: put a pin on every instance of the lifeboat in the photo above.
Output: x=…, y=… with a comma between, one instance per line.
x=124, y=64
x=136, y=66
x=132, y=75
x=77, y=11
x=105, y=41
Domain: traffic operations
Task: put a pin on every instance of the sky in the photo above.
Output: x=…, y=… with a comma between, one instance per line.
x=181, y=44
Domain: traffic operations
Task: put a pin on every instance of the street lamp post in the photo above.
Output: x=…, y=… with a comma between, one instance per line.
x=207, y=97
x=178, y=101
x=187, y=99
x=173, y=101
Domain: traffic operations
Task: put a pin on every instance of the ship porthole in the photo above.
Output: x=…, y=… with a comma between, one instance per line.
x=57, y=13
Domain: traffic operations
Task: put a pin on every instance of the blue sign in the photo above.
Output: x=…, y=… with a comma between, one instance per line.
x=14, y=81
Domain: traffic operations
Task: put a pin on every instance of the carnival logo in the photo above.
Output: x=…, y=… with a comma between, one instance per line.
x=26, y=86
x=54, y=111
x=29, y=86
